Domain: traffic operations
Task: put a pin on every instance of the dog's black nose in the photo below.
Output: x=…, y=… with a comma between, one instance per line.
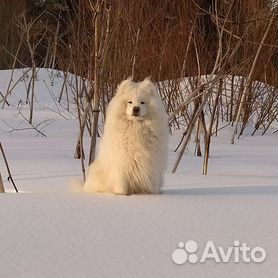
x=136, y=109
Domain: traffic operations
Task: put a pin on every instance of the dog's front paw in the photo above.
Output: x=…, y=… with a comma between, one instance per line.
x=120, y=191
x=116, y=192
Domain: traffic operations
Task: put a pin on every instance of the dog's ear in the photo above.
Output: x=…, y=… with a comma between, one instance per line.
x=122, y=87
x=148, y=86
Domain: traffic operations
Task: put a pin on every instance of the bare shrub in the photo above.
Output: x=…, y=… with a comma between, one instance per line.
x=213, y=61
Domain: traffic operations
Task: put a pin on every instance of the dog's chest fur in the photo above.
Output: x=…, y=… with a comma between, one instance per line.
x=140, y=148
x=138, y=136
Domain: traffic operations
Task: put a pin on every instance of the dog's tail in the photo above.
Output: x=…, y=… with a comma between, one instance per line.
x=76, y=186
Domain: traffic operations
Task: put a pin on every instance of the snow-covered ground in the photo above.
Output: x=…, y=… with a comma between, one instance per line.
x=47, y=231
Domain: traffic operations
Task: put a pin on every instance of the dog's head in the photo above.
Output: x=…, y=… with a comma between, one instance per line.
x=137, y=98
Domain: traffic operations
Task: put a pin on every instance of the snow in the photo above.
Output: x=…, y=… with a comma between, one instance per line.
x=47, y=231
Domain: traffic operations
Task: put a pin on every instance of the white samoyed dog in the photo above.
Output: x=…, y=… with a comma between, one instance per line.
x=133, y=151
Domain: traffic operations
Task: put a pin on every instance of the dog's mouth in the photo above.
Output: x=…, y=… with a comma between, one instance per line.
x=136, y=116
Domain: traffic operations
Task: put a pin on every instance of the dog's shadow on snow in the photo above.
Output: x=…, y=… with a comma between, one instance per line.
x=227, y=190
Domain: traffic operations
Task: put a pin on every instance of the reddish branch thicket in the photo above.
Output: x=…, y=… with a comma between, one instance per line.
x=164, y=38
x=225, y=49
x=9, y=37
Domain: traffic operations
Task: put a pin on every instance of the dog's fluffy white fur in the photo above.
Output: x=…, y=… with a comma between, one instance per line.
x=133, y=151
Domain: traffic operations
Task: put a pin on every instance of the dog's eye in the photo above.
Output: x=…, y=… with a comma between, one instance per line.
x=130, y=102
x=142, y=102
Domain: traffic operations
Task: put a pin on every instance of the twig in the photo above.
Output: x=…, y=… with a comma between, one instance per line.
x=10, y=178
x=2, y=190
x=3, y=99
